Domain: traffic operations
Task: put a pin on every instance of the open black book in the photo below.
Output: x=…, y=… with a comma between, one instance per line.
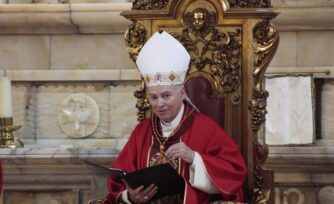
x=168, y=181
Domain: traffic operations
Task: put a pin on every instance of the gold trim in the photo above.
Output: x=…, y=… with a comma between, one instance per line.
x=149, y=152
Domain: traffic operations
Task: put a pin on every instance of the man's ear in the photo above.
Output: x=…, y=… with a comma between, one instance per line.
x=183, y=92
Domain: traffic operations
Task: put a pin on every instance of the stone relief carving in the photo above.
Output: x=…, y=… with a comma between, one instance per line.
x=326, y=195
x=289, y=192
x=79, y=115
x=212, y=51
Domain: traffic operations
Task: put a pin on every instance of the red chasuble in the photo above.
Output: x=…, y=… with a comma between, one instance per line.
x=222, y=159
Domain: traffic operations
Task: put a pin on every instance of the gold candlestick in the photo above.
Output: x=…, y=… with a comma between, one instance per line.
x=7, y=139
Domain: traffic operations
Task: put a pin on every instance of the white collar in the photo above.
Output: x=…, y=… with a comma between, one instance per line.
x=168, y=128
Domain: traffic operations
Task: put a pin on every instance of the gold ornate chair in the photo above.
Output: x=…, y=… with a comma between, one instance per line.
x=231, y=43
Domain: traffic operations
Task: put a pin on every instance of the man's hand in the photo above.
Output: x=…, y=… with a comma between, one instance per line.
x=140, y=195
x=182, y=151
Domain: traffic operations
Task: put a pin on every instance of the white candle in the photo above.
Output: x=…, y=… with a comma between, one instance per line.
x=6, y=110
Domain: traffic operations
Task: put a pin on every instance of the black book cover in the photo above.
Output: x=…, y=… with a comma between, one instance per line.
x=168, y=181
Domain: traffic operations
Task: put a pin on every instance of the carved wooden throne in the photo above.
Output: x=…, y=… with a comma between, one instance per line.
x=231, y=43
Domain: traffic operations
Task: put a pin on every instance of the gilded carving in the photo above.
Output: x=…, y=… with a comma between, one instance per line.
x=149, y=4
x=135, y=37
x=142, y=104
x=260, y=194
x=96, y=202
x=249, y=3
x=265, y=43
x=212, y=51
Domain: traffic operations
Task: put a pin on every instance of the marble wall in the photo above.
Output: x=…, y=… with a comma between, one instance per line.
x=64, y=52
x=39, y=108
x=303, y=173
x=63, y=47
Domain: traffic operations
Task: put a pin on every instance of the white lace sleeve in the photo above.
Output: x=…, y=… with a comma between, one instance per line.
x=198, y=176
x=125, y=197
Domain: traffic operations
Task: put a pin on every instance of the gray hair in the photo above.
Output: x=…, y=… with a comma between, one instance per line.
x=186, y=98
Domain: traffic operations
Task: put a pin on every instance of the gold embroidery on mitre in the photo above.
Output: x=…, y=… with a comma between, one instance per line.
x=164, y=78
x=172, y=76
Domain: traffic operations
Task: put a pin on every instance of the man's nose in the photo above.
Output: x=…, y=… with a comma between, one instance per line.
x=160, y=102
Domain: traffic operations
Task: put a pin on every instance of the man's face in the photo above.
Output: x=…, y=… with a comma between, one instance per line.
x=166, y=101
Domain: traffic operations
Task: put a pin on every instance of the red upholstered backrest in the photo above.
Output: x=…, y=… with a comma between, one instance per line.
x=199, y=90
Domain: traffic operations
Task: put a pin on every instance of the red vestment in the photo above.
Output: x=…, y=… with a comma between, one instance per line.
x=222, y=159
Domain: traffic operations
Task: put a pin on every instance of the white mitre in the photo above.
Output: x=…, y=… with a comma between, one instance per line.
x=163, y=60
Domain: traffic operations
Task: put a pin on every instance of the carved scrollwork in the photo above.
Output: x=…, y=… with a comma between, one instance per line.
x=215, y=52
x=135, y=37
x=265, y=44
x=142, y=104
x=149, y=4
x=260, y=194
x=249, y=3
